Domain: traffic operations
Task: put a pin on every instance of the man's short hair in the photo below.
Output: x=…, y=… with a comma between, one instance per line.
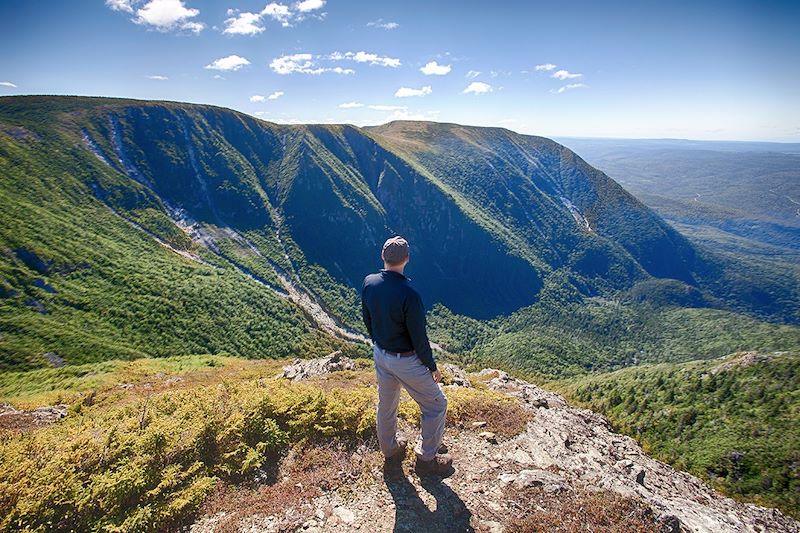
x=395, y=251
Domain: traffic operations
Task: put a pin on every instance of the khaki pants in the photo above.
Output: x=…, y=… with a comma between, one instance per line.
x=409, y=372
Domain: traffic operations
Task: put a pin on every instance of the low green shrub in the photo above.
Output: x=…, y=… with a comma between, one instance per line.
x=147, y=462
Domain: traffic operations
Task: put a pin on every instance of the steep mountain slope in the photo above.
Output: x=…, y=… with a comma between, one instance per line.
x=119, y=216
x=91, y=268
x=328, y=195
x=533, y=186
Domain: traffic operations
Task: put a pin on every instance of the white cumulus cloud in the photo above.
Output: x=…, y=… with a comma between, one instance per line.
x=120, y=5
x=435, y=69
x=404, y=92
x=194, y=27
x=546, y=66
x=247, y=23
x=565, y=75
x=244, y=24
x=289, y=64
x=8, y=84
x=571, y=86
x=276, y=10
x=478, y=87
x=279, y=12
x=310, y=5
x=157, y=77
x=232, y=62
x=350, y=105
x=163, y=15
x=472, y=74
x=275, y=95
x=257, y=98
x=372, y=59
x=304, y=64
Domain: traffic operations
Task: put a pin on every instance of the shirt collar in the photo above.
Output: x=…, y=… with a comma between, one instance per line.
x=392, y=272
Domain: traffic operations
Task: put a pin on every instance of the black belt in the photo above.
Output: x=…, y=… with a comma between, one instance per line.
x=401, y=354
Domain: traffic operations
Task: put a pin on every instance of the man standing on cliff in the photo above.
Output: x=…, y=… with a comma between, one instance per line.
x=395, y=318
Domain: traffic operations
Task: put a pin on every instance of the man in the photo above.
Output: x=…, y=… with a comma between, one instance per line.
x=395, y=318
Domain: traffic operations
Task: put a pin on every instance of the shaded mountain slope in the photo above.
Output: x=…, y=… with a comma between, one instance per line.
x=537, y=187
x=329, y=195
x=334, y=193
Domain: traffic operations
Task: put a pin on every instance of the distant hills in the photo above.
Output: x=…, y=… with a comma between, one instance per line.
x=744, y=189
x=136, y=227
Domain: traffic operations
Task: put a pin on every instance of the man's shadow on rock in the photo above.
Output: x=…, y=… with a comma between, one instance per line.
x=411, y=513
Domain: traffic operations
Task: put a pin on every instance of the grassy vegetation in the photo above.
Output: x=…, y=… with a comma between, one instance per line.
x=734, y=422
x=145, y=456
x=581, y=510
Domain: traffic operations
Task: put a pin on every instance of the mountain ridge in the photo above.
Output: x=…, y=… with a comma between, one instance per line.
x=314, y=166
x=302, y=210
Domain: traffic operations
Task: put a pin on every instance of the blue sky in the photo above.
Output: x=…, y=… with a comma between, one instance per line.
x=702, y=70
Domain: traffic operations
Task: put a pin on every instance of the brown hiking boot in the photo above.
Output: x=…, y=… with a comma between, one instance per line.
x=397, y=457
x=439, y=465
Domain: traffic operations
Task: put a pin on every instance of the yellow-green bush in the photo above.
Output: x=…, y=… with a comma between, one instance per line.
x=145, y=458
x=149, y=462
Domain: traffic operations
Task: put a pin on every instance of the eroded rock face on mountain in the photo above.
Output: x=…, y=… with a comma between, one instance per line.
x=563, y=454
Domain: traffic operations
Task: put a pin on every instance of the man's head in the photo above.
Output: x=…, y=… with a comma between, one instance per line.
x=395, y=253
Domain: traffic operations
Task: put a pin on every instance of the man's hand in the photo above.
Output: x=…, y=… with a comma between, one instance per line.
x=437, y=376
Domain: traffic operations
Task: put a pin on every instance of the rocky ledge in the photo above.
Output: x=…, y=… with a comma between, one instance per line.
x=563, y=454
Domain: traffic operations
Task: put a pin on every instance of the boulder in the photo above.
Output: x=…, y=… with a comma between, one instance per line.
x=488, y=436
x=54, y=359
x=302, y=369
x=458, y=377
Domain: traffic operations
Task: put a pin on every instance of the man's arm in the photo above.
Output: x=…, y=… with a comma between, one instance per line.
x=365, y=313
x=415, y=323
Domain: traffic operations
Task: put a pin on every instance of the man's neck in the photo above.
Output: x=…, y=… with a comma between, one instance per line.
x=398, y=269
